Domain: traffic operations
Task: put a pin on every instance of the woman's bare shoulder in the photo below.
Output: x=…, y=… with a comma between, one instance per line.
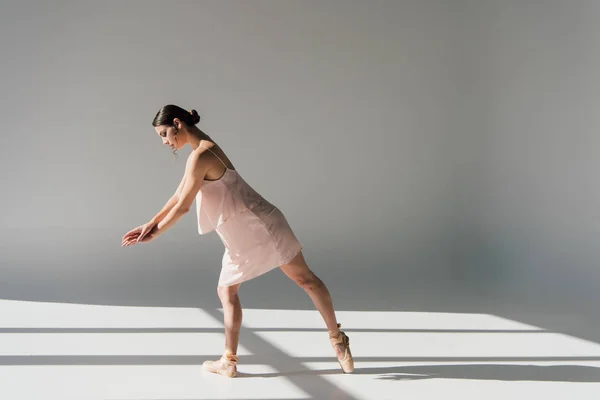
x=202, y=149
x=204, y=154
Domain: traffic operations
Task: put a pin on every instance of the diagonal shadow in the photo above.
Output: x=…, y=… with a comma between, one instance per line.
x=267, y=356
x=281, y=361
x=498, y=372
x=220, y=330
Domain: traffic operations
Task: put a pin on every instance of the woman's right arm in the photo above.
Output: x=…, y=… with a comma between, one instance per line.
x=175, y=198
x=170, y=203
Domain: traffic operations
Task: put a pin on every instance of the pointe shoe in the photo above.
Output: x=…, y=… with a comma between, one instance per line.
x=225, y=366
x=347, y=363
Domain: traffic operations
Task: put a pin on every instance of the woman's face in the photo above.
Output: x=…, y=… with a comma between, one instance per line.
x=169, y=135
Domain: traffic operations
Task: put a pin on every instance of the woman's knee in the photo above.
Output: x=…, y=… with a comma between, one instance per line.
x=228, y=294
x=308, y=281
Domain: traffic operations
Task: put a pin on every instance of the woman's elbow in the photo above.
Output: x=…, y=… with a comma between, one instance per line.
x=182, y=208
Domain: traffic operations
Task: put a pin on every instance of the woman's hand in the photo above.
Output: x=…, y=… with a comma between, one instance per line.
x=143, y=233
x=148, y=234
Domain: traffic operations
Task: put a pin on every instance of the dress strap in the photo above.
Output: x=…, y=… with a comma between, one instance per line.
x=219, y=158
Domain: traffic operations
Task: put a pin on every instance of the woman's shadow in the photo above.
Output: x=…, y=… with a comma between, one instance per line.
x=497, y=372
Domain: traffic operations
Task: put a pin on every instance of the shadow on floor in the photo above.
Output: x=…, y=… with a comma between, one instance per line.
x=497, y=372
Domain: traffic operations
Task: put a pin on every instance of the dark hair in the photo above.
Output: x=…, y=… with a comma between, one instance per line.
x=168, y=113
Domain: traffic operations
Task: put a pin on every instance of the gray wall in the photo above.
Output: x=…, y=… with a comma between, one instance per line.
x=425, y=152
x=337, y=111
x=532, y=115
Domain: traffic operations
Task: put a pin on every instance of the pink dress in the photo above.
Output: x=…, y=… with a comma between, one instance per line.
x=256, y=234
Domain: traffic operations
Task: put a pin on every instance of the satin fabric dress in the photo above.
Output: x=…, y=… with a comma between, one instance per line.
x=256, y=234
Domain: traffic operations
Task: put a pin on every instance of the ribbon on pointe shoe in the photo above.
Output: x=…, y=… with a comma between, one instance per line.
x=230, y=359
x=336, y=332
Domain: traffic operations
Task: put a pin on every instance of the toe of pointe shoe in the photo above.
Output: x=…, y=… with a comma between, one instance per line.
x=347, y=366
x=207, y=365
x=347, y=363
x=229, y=372
x=225, y=366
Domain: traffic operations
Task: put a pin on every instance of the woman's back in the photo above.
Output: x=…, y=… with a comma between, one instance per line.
x=256, y=234
x=224, y=196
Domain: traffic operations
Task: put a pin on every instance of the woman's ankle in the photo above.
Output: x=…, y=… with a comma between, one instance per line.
x=333, y=333
x=230, y=356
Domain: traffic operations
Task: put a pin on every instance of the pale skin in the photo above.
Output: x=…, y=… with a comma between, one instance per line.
x=203, y=165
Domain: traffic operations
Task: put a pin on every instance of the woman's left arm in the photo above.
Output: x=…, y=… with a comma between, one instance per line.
x=195, y=171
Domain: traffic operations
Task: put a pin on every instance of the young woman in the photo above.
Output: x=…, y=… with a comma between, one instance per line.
x=256, y=235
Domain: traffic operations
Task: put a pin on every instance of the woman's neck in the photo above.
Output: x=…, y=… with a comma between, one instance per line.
x=197, y=136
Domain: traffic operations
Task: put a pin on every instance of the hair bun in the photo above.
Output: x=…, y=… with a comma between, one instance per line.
x=195, y=116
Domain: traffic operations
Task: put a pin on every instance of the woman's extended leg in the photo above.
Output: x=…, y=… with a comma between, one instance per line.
x=299, y=272
x=232, y=318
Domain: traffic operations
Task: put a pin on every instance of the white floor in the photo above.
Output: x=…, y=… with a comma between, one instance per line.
x=75, y=351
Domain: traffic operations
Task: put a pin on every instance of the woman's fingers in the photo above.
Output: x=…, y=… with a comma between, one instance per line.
x=137, y=235
x=129, y=243
x=129, y=240
x=134, y=231
x=127, y=237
